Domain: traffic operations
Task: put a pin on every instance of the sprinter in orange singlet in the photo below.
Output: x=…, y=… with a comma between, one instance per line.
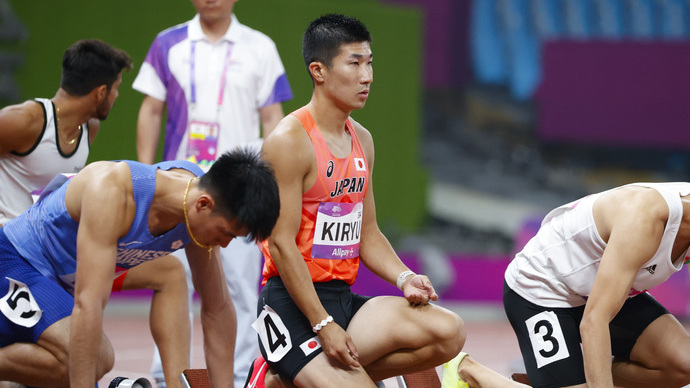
x=313, y=331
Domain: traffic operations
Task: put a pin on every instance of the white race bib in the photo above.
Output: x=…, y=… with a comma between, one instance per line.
x=337, y=231
x=273, y=334
x=547, y=339
x=19, y=305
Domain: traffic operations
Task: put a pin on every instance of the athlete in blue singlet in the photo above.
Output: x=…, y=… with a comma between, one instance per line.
x=58, y=258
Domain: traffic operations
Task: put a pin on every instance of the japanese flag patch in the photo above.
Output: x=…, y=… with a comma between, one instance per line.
x=310, y=345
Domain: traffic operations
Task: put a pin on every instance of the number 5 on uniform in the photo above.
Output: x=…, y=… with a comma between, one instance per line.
x=19, y=305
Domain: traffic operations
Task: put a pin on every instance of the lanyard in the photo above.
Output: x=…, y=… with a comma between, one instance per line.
x=192, y=83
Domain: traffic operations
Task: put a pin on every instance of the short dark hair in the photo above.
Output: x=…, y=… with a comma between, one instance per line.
x=90, y=63
x=324, y=36
x=245, y=189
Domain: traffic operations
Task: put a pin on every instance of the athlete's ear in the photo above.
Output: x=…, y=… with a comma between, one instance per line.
x=205, y=201
x=317, y=71
x=101, y=93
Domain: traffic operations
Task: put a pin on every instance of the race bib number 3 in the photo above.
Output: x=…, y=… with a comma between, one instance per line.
x=273, y=334
x=19, y=306
x=337, y=231
x=547, y=339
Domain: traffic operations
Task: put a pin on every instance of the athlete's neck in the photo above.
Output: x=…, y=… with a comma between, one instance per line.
x=216, y=28
x=74, y=111
x=327, y=115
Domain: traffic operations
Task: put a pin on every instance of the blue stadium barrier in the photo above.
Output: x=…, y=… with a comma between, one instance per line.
x=487, y=43
x=673, y=19
x=610, y=19
x=507, y=35
x=579, y=19
x=643, y=19
x=548, y=17
x=523, y=48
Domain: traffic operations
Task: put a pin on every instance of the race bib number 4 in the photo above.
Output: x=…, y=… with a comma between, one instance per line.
x=273, y=334
x=547, y=339
x=19, y=305
x=337, y=231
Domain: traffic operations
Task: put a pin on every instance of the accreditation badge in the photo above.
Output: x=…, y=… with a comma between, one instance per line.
x=202, y=143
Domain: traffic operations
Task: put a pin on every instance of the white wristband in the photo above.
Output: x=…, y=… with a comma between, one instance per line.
x=402, y=277
x=323, y=323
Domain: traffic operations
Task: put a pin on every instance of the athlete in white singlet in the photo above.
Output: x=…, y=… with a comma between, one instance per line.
x=576, y=294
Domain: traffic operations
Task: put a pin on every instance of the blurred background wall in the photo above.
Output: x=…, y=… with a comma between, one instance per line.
x=393, y=114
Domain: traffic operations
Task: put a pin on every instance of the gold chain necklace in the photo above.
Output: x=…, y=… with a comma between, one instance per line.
x=186, y=220
x=57, y=119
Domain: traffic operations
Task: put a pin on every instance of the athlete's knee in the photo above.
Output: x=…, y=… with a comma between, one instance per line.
x=106, y=358
x=55, y=342
x=678, y=370
x=169, y=273
x=450, y=332
x=60, y=368
x=175, y=273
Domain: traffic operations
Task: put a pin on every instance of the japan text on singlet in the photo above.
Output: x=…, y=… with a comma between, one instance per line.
x=331, y=224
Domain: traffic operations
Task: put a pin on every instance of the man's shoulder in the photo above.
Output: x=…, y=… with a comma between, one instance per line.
x=361, y=130
x=289, y=133
x=288, y=125
x=254, y=36
x=33, y=104
x=24, y=113
x=172, y=35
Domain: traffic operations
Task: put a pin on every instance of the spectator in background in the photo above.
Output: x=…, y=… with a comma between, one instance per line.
x=222, y=82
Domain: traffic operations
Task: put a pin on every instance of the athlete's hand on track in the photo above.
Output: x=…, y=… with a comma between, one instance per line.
x=338, y=344
x=419, y=291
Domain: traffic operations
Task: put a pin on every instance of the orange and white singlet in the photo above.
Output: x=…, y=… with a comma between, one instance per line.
x=332, y=209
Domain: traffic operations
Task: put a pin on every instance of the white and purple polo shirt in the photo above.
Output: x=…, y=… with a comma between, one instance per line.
x=184, y=69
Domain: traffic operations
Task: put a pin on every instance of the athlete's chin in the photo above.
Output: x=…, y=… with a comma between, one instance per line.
x=359, y=105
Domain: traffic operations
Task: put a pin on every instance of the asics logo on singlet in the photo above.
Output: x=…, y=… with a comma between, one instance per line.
x=651, y=269
x=349, y=185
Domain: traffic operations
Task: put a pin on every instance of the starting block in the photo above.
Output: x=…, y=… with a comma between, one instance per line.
x=195, y=378
x=198, y=378
x=520, y=378
x=424, y=379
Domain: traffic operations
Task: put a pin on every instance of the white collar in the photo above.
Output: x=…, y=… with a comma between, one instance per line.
x=196, y=33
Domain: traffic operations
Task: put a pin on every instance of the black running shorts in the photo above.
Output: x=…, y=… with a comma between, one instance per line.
x=286, y=338
x=550, y=339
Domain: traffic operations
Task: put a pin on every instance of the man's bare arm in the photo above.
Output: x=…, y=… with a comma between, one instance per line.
x=149, y=128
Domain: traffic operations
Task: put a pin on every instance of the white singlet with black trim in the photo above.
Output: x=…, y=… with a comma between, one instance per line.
x=21, y=174
x=557, y=267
